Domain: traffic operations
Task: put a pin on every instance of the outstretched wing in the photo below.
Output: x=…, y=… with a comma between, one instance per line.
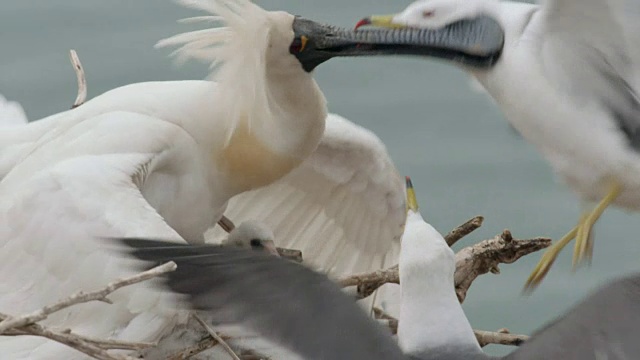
x=604, y=326
x=282, y=301
x=344, y=207
x=55, y=207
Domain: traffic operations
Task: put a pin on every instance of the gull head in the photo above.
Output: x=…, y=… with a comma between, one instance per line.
x=464, y=32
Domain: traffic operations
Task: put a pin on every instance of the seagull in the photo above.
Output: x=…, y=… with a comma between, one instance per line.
x=432, y=324
x=567, y=76
x=308, y=314
x=160, y=160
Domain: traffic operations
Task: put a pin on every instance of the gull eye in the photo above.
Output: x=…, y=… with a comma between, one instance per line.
x=255, y=243
x=427, y=14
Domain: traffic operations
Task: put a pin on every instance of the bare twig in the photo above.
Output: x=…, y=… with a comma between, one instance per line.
x=216, y=337
x=101, y=343
x=193, y=350
x=70, y=340
x=463, y=230
x=82, y=81
x=82, y=297
x=501, y=337
x=485, y=256
x=290, y=254
x=226, y=224
x=471, y=262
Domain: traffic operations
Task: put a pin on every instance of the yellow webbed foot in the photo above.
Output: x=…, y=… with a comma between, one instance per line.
x=584, y=241
x=547, y=260
x=583, y=233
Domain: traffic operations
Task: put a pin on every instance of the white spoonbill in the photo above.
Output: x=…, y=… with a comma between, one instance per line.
x=568, y=80
x=257, y=291
x=156, y=159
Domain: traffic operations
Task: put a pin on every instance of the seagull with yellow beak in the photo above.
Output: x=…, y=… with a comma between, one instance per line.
x=566, y=74
x=159, y=160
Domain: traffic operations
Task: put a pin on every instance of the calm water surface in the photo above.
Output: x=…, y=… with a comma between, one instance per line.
x=453, y=141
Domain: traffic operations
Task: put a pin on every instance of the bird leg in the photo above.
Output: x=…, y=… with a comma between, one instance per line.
x=584, y=242
x=547, y=260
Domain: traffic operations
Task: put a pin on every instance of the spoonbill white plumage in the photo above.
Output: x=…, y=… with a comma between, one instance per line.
x=343, y=207
x=156, y=159
x=251, y=289
x=11, y=114
x=567, y=79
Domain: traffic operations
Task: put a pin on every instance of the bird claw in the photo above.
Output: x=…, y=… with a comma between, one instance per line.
x=547, y=260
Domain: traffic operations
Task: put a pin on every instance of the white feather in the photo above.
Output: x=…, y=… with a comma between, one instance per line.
x=11, y=113
x=345, y=205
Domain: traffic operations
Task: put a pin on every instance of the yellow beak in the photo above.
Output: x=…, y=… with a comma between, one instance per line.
x=385, y=21
x=412, y=203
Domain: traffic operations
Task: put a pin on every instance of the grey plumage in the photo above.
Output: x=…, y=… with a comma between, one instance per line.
x=282, y=301
x=307, y=313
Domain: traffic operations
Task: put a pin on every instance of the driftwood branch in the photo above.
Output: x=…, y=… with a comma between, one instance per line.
x=70, y=340
x=463, y=230
x=368, y=283
x=97, y=348
x=82, y=81
x=471, y=262
x=485, y=256
x=501, y=337
x=82, y=297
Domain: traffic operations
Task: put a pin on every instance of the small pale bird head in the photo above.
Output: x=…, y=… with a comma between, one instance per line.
x=252, y=235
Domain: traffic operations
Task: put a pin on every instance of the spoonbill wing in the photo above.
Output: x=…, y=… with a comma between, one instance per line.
x=344, y=207
x=55, y=206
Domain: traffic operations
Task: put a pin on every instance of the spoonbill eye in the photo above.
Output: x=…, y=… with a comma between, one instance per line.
x=427, y=14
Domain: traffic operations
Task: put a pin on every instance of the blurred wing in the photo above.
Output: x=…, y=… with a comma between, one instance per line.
x=11, y=113
x=591, y=49
x=282, y=301
x=52, y=216
x=344, y=207
x=604, y=326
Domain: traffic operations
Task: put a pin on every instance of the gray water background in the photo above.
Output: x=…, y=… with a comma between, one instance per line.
x=463, y=157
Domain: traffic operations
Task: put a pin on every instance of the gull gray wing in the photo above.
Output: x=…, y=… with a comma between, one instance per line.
x=282, y=301
x=604, y=326
x=591, y=49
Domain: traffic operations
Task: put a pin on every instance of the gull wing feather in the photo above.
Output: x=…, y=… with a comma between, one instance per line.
x=344, y=207
x=55, y=206
x=591, y=49
x=282, y=301
x=603, y=326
